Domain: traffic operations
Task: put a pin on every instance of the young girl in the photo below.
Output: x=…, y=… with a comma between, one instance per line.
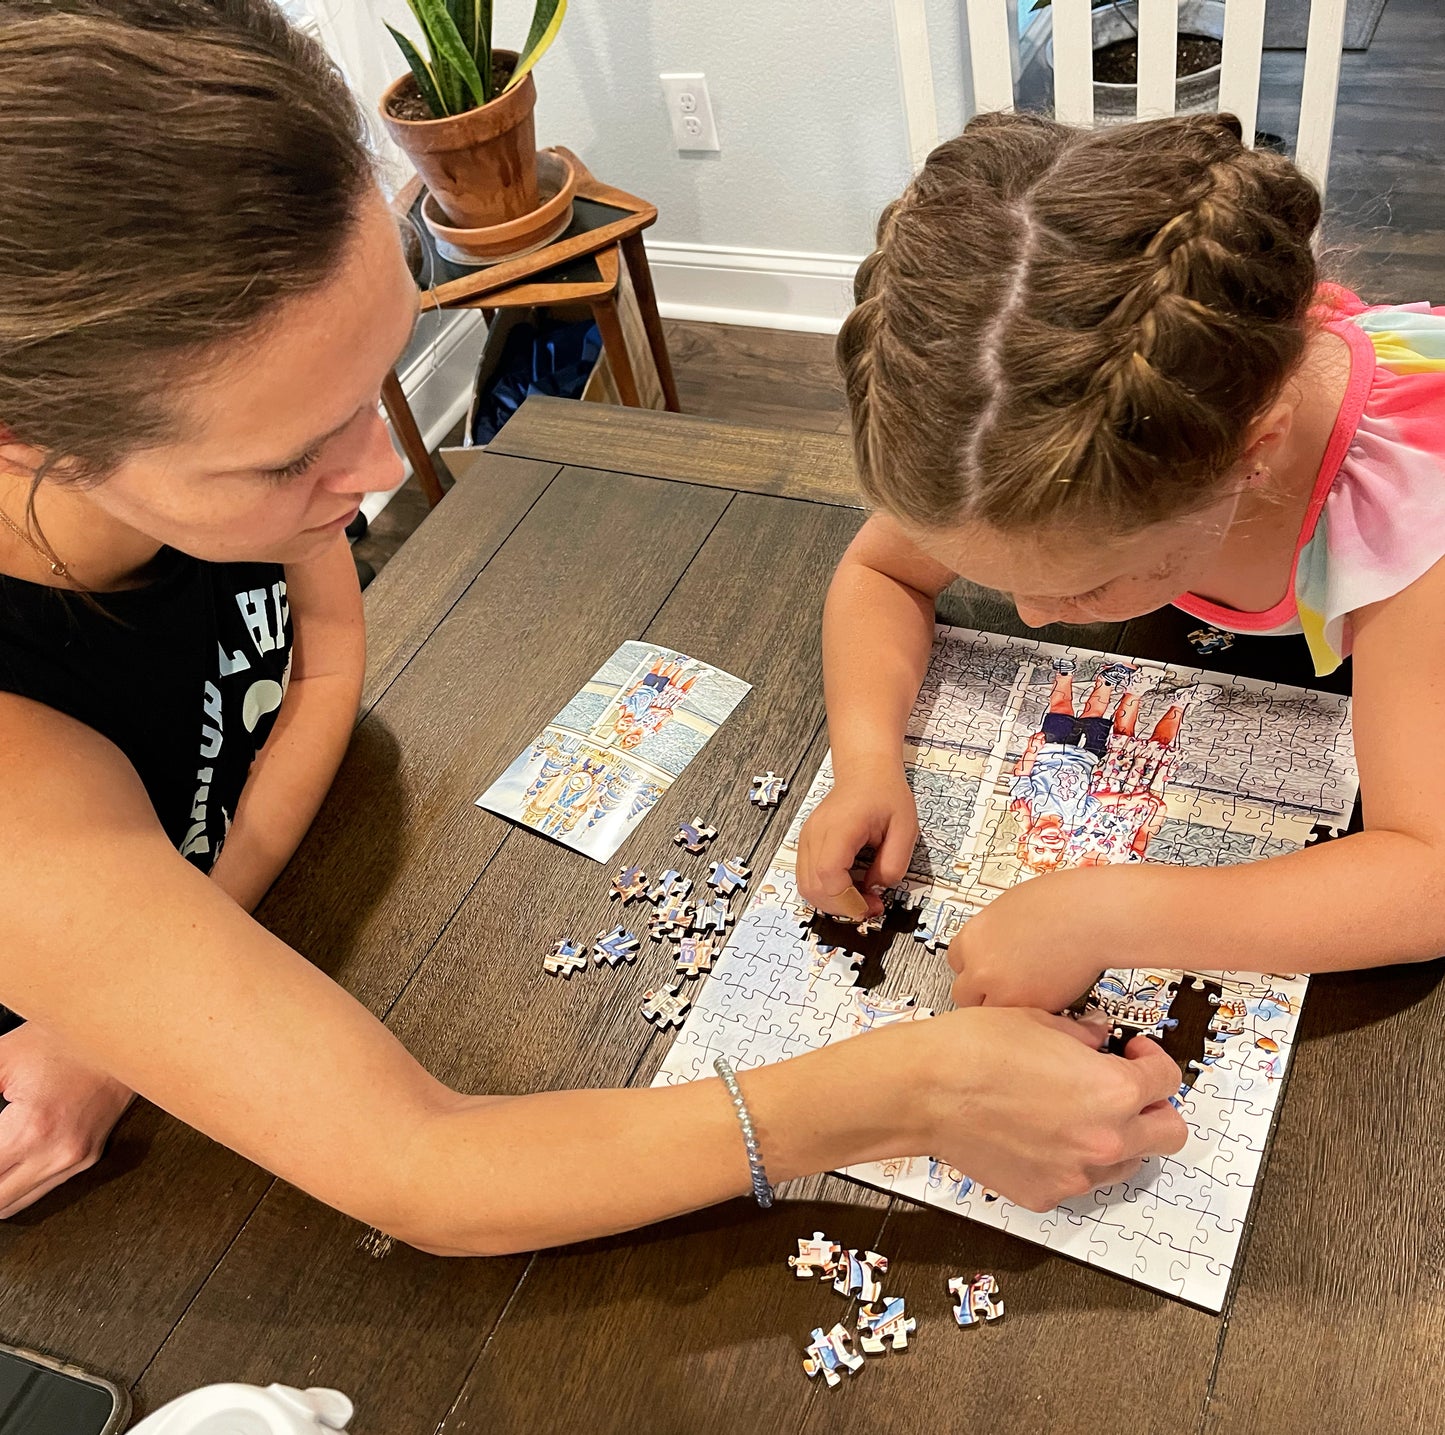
x=1096, y=372
x=201, y=291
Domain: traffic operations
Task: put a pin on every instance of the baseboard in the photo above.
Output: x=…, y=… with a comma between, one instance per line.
x=766, y=288
x=438, y=384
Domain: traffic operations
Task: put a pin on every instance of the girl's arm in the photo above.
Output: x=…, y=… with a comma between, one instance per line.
x=143, y=967
x=877, y=635
x=292, y=773
x=1370, y=899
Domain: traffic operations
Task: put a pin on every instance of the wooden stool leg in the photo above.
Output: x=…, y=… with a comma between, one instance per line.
x=614, y=345
x=641, y=272
x=412, y=444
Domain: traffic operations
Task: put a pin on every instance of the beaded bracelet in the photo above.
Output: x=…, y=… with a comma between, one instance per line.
x=762, y=1191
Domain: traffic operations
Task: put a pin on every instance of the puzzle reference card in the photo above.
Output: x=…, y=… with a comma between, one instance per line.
x=1026, y=758
x=601, y=764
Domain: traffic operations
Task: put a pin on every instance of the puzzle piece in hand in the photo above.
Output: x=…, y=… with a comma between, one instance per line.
x=671, y=885
x=671, y=919
x=664, y=1006
x=828, y=1353
x=695, y=955
x=564, y=959
x=978, y=1297
x=819, y=1253
x=695, y=835
x=768, y=788
x=889, y=1326
x=728, y=876
x=629, y=882
x=713, y=916
x=860, y=1275
x=618, y=945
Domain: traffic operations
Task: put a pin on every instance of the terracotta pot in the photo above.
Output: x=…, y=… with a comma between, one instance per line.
x=481, y=165
x=557, y=183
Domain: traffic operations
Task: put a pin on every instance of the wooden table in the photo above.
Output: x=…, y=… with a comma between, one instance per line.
x=176, y=1263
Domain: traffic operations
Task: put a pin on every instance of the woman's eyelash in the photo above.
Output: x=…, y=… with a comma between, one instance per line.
x=295, y=468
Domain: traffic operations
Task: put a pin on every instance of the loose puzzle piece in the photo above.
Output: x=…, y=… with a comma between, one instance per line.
x=878, y=1329
x=618, y=945
x=695, y=955
x=713, y=916
x=695, y=835
x=664, y=1006
x=728, y=876
x=818, y=1255
x=859, y=1275
x=630, y=882
x=829, y=1353
x=671, y=884
x=1211, y=640
x=671, y=919
x=768, y=788
x=977, y=1298
x=564, y=959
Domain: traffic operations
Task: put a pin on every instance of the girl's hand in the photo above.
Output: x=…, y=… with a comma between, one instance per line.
x=1041, y=944
x=874, y=808
x=59, y=1114
x=1026, y=1104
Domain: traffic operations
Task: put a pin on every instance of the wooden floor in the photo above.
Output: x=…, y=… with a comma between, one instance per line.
x=1384, y=236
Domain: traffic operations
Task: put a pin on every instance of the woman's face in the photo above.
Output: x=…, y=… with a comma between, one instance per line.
x=277, y=445
x=1067, y=576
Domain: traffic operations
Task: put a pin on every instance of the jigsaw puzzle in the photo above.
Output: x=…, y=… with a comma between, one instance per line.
x=601, y=764
x=1024, y=758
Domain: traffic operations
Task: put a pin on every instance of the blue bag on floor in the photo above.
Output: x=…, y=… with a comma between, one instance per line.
x=550, y=356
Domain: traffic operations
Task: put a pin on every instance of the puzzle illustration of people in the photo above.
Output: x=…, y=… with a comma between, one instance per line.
x=602, y=763
x=1025, y=758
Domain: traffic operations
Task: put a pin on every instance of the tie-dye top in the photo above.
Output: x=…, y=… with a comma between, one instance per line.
x=1376, y=519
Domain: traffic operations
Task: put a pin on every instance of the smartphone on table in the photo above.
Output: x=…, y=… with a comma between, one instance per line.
x=43, y=1396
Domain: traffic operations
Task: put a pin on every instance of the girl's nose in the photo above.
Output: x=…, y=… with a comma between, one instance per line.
x=1037, y=612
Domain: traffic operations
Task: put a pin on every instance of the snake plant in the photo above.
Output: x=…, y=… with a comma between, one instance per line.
x=456, y=74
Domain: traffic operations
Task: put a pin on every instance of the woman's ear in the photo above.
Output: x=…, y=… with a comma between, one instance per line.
x=18, y=460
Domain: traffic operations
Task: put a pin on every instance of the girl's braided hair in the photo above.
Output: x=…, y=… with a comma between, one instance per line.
x=1064, y=325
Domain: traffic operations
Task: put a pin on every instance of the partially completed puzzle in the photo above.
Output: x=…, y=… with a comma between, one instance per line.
x=1025, y=757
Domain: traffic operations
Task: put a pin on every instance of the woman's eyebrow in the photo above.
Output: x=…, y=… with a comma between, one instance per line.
x=269, y=465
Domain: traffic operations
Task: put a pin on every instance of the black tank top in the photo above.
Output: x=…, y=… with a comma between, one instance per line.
x=184, y=676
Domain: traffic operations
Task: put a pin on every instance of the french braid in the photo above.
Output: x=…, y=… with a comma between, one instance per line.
x=1061, y=324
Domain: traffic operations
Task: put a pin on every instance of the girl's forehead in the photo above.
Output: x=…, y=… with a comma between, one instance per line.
x=1059, y=561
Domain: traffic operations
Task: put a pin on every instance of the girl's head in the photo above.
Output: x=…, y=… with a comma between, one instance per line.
x=1068, y=346
x=201, y=290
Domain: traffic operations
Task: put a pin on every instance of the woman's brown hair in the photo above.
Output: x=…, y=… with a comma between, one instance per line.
x=1076, y=326
x=171, y=172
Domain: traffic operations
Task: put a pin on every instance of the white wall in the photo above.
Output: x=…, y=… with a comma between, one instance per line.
x=809, y=112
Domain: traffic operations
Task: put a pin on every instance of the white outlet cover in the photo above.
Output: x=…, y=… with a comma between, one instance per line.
x=689, y=107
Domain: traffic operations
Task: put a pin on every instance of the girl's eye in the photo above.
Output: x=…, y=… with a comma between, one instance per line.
x=295, y=468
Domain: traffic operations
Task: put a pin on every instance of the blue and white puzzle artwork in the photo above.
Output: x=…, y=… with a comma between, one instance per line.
x=600, y=766
x=1026, y=758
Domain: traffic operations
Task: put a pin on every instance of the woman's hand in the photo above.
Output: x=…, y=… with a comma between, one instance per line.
x=59, y=1115
x=874, y=808
x=1026, y=1104
x=1043, y=943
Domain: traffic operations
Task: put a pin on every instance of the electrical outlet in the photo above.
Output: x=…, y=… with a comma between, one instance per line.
x=690, y=110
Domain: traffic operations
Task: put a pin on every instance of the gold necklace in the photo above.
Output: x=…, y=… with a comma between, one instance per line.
x=46, y=554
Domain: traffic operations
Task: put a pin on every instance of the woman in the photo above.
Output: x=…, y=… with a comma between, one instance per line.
x=193, y=335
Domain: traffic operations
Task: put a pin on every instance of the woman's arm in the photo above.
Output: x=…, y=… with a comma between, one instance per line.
x=877, y=635
x=143, y=967
x=1370, y=899
x=292, y=773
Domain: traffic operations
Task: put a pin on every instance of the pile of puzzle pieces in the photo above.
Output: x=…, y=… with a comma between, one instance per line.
x=883, y=1324
x=698, y=926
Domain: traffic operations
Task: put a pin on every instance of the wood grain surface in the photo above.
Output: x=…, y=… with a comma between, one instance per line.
x=176, y=1263
x=813, y=466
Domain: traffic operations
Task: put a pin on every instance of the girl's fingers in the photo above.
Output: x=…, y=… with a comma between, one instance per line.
x=890, y=863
